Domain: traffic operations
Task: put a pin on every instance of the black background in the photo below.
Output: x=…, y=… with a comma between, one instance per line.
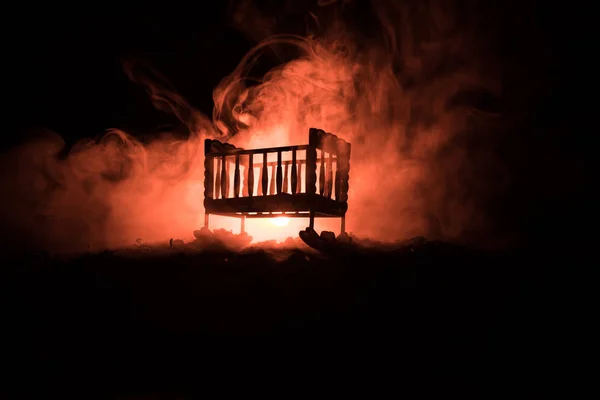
x=66, y=64
x=63, y=63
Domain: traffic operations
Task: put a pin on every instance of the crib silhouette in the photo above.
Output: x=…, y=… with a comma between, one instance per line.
x=303, y=181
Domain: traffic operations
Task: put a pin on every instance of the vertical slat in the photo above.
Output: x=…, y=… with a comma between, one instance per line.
x=299, y=187
x=322, y=174
x=236, y=177
x=329, y=178
x=272, y=184
x=245, y=177
x=338, y=182
x=341, y=155
x=208, y=170
x=294, y=177
x=224, y=180
x=279, y=173
x=218, y=178
x=250, y=175
x=311, y=170
x=344, y=163
x=347, y=173
x=208, y=177
x=286, y=171
x=265, y=175
x=261, y=192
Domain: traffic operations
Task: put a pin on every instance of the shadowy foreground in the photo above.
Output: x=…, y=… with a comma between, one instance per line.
x=421, y=317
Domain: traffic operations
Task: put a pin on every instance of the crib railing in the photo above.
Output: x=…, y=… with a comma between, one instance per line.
x=232, y=172
x=256, y=174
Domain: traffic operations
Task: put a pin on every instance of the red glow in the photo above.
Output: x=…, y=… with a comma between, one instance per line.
x=280, y=221
x=409, y=175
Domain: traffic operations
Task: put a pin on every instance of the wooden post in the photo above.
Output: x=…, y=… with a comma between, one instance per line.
x=250, y=174
x=272, y=182
x=322, y=174
x=245, y=177
x=311, y=170
x=311, y=220
x=311, y=161
x=345, y=173
x=343, y=224
x=338, y=177
x=236, y=177
x=206, y=220
x=265, y=175
x=224, y=180
x=299, y=176
x=208, y=171
x=294, y=178
x=208, y=177
x=218, y=179
x=285, y=188
x=243, y=224
x=279, y=173
x=329, y=176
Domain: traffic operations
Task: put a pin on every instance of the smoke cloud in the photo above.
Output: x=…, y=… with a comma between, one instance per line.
x=407, y=89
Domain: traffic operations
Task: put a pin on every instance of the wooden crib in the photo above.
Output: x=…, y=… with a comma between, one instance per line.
x=303, y=181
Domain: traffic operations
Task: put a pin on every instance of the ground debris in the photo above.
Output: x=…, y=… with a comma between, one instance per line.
x=221, y=239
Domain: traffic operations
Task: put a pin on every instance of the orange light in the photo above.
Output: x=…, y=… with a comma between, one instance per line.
x=280, y=221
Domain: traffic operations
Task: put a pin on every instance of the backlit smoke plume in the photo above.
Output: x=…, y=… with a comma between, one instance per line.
x=405, y=90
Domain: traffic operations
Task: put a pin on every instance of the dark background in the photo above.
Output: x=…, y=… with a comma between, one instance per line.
x=66, y=64
x=63, y=64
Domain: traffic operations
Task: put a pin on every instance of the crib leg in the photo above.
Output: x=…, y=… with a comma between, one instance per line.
x=206, y=219
x=311, y=221
x=243, y=224
x=343, y=230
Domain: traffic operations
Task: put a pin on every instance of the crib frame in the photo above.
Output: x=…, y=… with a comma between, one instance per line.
x=244, y=195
